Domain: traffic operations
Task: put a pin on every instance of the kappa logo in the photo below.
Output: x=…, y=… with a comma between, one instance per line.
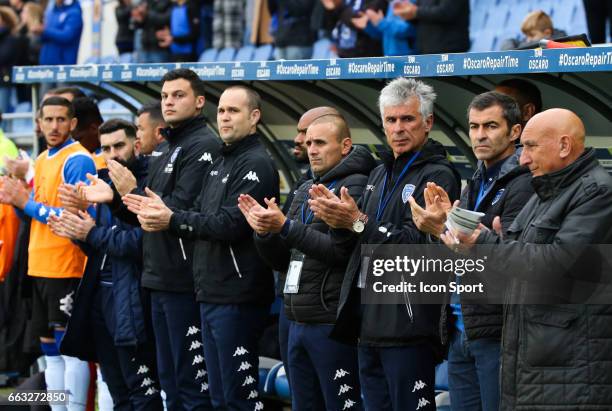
x=224, y=179
x=146, y=382
x=340, y=373
x=253, y=394
x=422, y=403
x=42, y=211
x=192, y=330
x=206, y=157
x=151, y=391
x=195, y=345
x=348, y=404
x=251, y=175
x=52, y=213
x=258, y=406
x=344, y=388
x=418, y=385
x=248, y=380
x=498, y=195
x=204, y=387
x=143, y=369
x=370, y=187
x=240, y=351
x=66, y=304
x=214, y=173
x=200, y=374
x=244, y=365
x=198, y=359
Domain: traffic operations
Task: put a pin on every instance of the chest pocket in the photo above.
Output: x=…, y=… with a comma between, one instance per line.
x=543, y=232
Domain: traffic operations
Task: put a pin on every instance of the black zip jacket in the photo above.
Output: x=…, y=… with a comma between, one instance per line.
x=443, y=26
x=226, y=266
x=326, y=256
x=507, y=195
x=176, y=176
x=556, y=357
x=394, y=325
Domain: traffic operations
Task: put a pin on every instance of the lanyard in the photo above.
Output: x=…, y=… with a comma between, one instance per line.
x=481, y=195
x=383, y=201
x=310, y=216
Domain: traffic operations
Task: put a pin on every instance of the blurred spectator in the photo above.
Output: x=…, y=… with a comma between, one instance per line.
x=293, y=36
x=61, y=33
x=31, y=18
x=526, y=94
x=18, y=5
x=182, y=36
x=228, y=23
x=536, y=26
x=398, y=36
x=442, y=25
x=151, y=16
x=9, y=54
x=350, y=20
x=598, y=12
x=125, y=28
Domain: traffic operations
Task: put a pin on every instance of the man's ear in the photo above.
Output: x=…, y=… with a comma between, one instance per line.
x=528, y=111
x=200, y=101
x=347, y=144
x=73, y=123
x=565, y=146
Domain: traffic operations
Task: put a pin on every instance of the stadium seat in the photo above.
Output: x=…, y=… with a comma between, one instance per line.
x=441, y=387
x=281, y=384
x=23, y=125
x=208, y=56
x=264, y=53
x=321, y=49
x=269, y=386
x=245, y=53
x=226, y=54
x=112, y=59
x=483, y=41
x=111, y=109
x=126, y=58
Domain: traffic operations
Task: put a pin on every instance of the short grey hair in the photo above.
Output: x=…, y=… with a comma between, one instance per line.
x=400, y=90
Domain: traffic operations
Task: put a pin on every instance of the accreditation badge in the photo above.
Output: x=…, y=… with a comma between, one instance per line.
x=292, y=282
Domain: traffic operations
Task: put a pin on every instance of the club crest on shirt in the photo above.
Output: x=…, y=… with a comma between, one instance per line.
x=498, y=195
x=407, y=192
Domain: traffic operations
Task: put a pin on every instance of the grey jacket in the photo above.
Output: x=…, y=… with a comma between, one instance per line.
x=557, y=357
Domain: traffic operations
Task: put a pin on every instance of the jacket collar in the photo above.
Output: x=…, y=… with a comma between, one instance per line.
x=172, y=134
x=550, y=185
x=510, y=166
x=240, y=146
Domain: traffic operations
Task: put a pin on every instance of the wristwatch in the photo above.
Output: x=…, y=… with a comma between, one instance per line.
x=359, y=223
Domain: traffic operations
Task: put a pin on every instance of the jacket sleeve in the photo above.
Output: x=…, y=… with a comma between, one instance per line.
x=588, y=222
x=70, y=32
x=194, y=27
x=400, y=29
x=158, y=15
x=406, y=232
x=331, y=249
x=189, y=183
x=273, y=250
x=446, y=11
x=228, y=224
x=118, y=242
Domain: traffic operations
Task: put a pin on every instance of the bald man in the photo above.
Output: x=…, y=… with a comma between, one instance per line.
x=555, y=357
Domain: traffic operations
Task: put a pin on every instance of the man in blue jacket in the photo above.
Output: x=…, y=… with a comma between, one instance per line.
x=108, y=320
x=61, y=33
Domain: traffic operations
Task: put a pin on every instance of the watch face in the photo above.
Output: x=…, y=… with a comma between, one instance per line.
x=358, y=226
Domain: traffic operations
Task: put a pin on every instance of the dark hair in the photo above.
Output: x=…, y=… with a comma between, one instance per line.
x=116, y=124
x=526, y=91
x=86, y=111
x=75, y=91
x=510, y=109
x=253, y=97
x=197, y=85
x=154, y=111
x=57, y=101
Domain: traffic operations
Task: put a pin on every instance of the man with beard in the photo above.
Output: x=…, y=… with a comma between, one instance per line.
x=108, y=320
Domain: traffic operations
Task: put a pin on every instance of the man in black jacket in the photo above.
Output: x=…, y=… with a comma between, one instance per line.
x=302, y=247
x=550, y=352
x=176, y=176
x=499, y=187
x=398, y=344
x=233, y=285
